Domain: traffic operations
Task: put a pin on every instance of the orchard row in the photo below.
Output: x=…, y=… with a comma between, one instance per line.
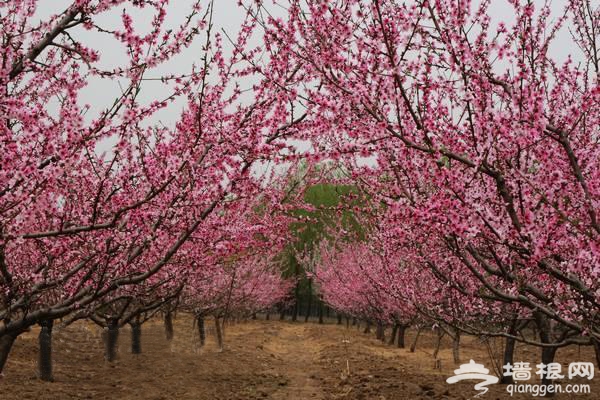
x=469, y=141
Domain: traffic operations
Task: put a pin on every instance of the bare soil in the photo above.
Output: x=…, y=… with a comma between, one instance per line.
x=261, y=360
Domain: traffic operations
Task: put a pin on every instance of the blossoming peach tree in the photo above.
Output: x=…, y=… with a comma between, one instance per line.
x=96, y=201
x=484, y=140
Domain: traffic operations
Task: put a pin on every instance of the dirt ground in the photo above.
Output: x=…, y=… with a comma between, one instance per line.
x=261, y=360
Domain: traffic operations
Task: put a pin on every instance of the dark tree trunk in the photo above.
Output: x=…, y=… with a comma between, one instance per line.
x=393, y=335
x=381, y=332
x=347, y=322
x=438, y=343
x=367, y=328
x=112, y=339
x=282, y=315
x=596, y=344
x=219, y=333
x=253, y=316
x=327, y=312
x=268, y=316
x=548, y=353
x=201, y=330
x=413, y=346
x=320, y=312
x=309, y=304
x=296, y=299
x=308, y=310
x=169, y=325
x=6, y=343
x=456, y=347
x=401, y=334
x=45, y=357
x=136, y=337
x=509, y=351
x=353, y=321
x=339, y=319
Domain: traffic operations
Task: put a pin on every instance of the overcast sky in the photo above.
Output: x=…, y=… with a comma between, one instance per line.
x=100, y=93
x=228, y=16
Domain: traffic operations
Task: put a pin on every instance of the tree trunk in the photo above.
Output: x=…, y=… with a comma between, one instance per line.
x=438, y=343
x=393, y=335
x=509, y=351
x=545, y=332
x=201, y=330
x=339, y=319
x=136, y=337
x=381, y=332
x=596, y=344
x=347, y=322
x=296, y=300
x=112, y=338
x=367, y=328
x=268, y=316
x=219, y=333
x=401, y=334
x=169, y=325
x=320, y=312
x=309, y=305
x=548, y=354
x=353, y=321
x=413, y=346
x=45, y=356
x=6, y=343
x=308, y=310
x=456, y=347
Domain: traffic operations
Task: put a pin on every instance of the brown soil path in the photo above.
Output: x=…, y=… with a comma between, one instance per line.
x=261, y=360
x=299, y=351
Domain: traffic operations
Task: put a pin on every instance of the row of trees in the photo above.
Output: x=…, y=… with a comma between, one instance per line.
x=484, y=185
x=110, y=214
x=474, y=149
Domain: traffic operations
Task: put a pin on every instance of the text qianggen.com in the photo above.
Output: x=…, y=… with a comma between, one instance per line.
x=541, y=390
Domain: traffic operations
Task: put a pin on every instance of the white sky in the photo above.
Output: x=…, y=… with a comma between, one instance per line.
x=228, y=16
x=100, y=93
